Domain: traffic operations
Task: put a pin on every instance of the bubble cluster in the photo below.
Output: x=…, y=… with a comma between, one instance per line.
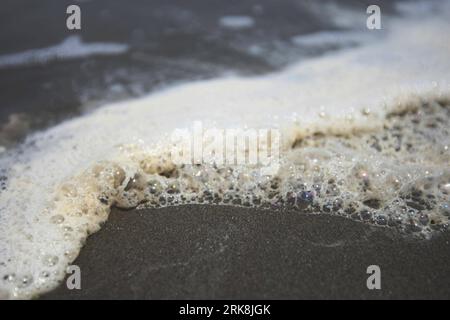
x=396, y=177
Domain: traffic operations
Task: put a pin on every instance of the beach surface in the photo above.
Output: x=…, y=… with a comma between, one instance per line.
x=221, y=252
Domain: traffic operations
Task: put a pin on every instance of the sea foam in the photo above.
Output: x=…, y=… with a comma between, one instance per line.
x=364, y=135
x=70, y=48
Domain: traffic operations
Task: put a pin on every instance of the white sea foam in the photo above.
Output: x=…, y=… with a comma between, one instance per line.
x=339, y=16
x=69, y=48
x=236, y=22
x=331, y=38
x=60, y=184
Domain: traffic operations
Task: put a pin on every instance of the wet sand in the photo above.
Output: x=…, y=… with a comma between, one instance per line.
x=216, y=252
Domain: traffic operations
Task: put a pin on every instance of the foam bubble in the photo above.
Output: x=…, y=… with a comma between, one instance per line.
x=364, y=132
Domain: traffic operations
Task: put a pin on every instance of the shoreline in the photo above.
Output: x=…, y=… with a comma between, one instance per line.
x=89, y=147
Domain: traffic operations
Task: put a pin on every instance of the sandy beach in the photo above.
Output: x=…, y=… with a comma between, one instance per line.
x=219, y=252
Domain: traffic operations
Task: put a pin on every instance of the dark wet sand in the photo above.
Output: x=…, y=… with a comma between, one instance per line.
x=212, y=252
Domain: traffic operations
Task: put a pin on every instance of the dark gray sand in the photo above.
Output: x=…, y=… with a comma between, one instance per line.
x=217, y=252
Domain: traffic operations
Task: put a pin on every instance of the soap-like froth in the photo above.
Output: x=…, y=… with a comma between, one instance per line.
x=364, y=135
